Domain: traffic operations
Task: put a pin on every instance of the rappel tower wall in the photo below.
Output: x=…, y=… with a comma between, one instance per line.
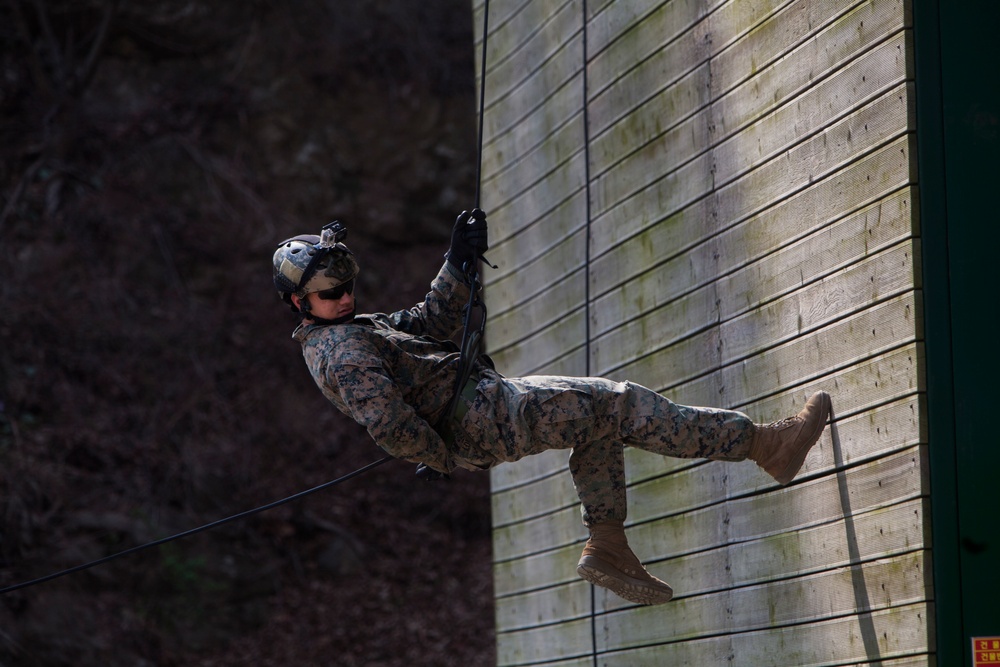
x=715, y=199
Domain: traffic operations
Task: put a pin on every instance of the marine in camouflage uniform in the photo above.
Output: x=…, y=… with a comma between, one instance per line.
x=394, y=374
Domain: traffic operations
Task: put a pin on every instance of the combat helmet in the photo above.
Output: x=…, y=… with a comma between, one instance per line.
x=310, y=263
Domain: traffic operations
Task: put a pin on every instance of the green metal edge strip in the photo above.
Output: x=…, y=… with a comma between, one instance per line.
x=939, y=379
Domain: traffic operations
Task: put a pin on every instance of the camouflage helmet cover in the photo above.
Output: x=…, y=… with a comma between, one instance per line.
x=293, y=258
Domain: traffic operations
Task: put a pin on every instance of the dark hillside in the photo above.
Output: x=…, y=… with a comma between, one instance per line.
x=153, y=154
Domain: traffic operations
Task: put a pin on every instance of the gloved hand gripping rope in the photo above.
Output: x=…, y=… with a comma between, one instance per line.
x=469, y=242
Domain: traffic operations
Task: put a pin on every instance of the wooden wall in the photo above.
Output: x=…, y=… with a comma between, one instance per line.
x=714, y=198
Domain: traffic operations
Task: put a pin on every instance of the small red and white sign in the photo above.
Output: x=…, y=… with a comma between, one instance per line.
x=985, y=651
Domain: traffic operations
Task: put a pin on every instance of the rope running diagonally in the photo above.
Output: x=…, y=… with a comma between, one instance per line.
x=199, y=529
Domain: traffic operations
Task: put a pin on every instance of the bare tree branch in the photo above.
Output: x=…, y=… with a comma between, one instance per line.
x=43, y=82
x=85, y=73
x=57, y=59
x=18, y=191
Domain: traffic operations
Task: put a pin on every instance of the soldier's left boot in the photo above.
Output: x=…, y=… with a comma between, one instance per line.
x=607, y=561
x=780, y=448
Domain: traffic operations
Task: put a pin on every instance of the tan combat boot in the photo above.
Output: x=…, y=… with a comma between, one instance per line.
x=608, y=561
x=780, y=448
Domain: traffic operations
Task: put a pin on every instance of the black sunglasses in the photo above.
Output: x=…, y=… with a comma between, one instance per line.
x=338, y=292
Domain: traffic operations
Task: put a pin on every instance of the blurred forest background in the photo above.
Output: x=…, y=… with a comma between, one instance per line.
x=153, y=155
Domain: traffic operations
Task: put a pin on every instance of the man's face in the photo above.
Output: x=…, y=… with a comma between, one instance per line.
x=331, y=304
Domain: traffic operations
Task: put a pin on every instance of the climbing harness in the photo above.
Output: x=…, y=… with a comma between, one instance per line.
x=333, y=234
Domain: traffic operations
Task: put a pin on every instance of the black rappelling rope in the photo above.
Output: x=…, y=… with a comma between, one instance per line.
x=472, y=338
x=475, y=339
x=482, y=102
x=199, y=529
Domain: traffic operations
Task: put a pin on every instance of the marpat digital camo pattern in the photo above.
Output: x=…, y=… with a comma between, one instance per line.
x=394, y=374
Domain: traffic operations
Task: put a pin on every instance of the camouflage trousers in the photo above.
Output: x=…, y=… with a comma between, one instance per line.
x=515, y=417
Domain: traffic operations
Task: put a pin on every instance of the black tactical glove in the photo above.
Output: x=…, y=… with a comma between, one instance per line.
x=468, y=239
x=430, y=474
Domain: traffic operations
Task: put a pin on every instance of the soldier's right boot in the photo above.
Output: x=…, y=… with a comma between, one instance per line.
x=780, y=448
x=607, y=561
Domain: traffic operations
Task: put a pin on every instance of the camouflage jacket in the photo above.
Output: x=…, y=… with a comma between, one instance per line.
x=394, y=374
